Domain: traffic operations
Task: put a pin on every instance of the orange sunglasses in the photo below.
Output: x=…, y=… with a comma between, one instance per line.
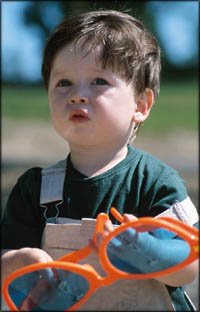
x=65, y=285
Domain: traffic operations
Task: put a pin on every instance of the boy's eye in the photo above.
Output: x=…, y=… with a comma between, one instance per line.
x=64, y=83
x=100, y=82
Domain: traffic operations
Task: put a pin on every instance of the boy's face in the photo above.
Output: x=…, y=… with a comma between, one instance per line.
x=90, y=106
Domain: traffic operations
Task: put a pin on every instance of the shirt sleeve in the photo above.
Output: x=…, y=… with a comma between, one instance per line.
x=22, y=222
x=169, y=192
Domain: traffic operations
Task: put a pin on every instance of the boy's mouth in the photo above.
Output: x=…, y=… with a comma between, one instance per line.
x=78, y=115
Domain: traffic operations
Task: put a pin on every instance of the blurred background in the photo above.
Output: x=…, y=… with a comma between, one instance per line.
x=170, y=133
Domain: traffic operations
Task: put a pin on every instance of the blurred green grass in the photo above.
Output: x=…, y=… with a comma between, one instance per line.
x=25, y=102
x=175, y=108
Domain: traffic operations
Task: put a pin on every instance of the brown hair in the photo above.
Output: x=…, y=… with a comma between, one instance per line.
x=127, y=47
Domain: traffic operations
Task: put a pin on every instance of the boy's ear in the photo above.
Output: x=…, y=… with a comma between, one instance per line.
x=143, y=106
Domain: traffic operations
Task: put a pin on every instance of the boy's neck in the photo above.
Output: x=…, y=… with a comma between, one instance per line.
x=92, y=162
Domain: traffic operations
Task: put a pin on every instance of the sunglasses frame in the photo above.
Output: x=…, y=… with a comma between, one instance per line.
x=85, y=270
x=184, y=231
x=95, y=281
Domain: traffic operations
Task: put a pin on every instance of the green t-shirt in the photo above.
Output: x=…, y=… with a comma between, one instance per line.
x=140, y=184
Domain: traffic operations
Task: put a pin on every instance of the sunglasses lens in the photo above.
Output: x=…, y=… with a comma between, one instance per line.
x=146, y=250
x=48, y=289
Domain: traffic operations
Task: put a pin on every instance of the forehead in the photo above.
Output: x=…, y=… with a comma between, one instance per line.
x=89, y=57
x=76, y=53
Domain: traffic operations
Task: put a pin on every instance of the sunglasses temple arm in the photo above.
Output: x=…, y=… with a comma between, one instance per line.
x=77, y=255
x=116, y=214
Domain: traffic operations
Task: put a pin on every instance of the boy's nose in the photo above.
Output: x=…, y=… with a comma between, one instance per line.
x=77, y=100
x=78, y=97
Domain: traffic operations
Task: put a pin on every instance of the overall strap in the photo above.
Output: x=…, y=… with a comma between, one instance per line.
x=52, y=182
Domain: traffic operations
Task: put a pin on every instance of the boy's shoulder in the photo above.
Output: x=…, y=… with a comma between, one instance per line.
x=30, y=174
x=149, y=162
x=153, y=172
x=35, y=173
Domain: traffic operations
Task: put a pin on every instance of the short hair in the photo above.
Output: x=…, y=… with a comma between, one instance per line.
x=127, y=47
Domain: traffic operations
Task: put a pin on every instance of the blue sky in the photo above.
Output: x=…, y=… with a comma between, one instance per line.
x=177, y=24
x=20, y=44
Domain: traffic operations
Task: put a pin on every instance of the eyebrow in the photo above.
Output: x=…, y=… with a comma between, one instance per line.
x=58, y=72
